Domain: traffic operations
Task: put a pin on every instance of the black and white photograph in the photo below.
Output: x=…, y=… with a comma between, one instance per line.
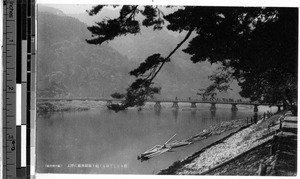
x=166, y=89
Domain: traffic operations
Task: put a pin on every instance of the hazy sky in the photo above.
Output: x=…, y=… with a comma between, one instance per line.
x=71, y=9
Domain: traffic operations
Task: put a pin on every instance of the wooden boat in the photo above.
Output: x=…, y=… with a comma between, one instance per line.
x=175, y=144
x=203, y=134
x=156, y=150
x=152, y=150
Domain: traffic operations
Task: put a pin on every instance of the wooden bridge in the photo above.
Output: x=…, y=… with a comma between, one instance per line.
x=175, y=102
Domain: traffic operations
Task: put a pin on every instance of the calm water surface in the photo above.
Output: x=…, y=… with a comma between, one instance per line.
x=104, y=142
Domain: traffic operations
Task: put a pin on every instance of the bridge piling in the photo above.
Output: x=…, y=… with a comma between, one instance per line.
x=157, y=106
x=233, y=107
x=255, y=108
x=213, y=107
x=175, y=105
x=193, y=105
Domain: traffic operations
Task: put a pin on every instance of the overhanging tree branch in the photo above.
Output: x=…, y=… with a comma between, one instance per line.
x=171, y=53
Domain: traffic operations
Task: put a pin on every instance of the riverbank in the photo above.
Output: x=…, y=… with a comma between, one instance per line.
x=56, y=106
x=276, y=157
x=227, y=149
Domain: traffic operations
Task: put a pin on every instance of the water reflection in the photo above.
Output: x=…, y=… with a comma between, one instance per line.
x=213, y=114
x=175, y=114
x=255, y=117
x=157, y=112
x=44, y=115
x=205, y=117
x=233, y=114
x=193, y=114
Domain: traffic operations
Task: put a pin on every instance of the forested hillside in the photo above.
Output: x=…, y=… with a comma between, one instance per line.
x=66, y=61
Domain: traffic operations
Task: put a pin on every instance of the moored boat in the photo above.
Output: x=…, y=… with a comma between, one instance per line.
x=175, y=144
x=152, y=150
x=156, y=150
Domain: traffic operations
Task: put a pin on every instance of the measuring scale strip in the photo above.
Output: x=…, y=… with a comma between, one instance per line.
x=9, y=84
x=18, y=97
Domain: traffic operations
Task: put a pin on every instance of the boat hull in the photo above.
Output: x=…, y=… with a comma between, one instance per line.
x=159, y=152
x=178, y=144
x=152, y=150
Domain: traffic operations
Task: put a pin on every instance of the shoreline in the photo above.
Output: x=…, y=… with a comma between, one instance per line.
x=193, y=165
x=178, y=164
x=71, y=106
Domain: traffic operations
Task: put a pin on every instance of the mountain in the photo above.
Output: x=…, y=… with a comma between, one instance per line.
x=67, y=61
x=90, y=71
x=43, y=8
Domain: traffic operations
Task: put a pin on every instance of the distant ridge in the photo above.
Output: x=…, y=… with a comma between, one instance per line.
x=44, y=8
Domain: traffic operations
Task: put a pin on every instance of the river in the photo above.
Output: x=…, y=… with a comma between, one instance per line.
x=100, y=141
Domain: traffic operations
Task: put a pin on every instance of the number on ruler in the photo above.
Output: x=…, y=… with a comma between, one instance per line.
x=10, y=137
x=13, y=142
x=13, y=147
x=10, y=87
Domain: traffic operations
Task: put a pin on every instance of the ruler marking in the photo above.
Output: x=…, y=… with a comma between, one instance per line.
x=8, y=44
x=10, y=92
x=18, y=16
